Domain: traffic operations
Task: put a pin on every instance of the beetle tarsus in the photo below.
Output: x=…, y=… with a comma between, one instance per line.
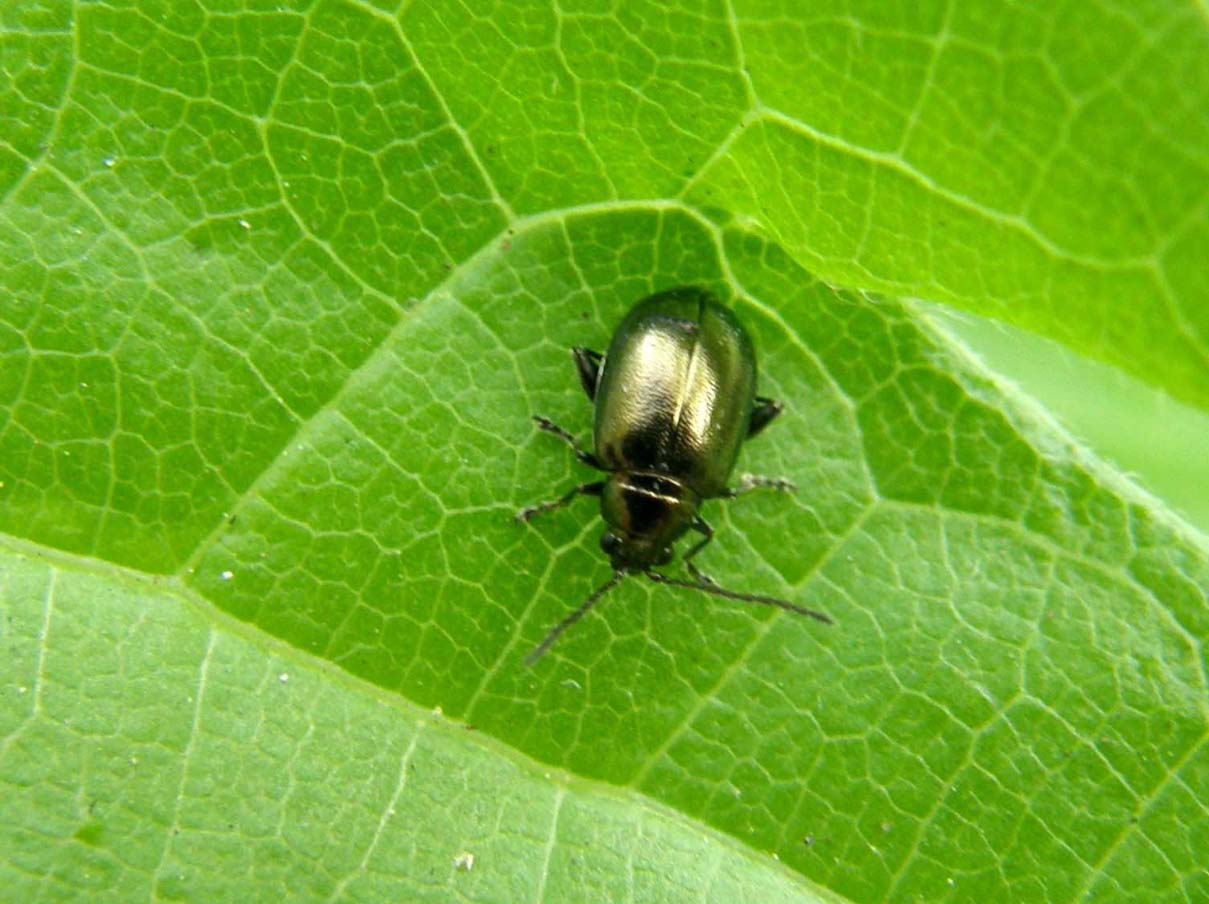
x=749, y=482
x=548, y=426
x=585, y=489
x=544, y=423
x=701, y=576
x=701, y=526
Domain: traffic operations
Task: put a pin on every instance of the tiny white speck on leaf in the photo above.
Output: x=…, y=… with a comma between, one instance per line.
x=227, y=575
x=283, y=677
x=244, y=223
x=463, y=861
x=109, y=161
x=571, y=683
x=22, y=689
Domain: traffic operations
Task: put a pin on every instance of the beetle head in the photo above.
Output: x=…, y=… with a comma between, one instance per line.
x=633, y=554
x=646, y=514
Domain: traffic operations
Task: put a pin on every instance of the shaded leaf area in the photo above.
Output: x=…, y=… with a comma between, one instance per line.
x=1015, y=676
x=207, y=767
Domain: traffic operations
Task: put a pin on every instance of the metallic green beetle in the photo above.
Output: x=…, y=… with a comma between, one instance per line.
x=675, y=398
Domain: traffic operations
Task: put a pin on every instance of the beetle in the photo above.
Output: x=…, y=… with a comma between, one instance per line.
x=675, y=399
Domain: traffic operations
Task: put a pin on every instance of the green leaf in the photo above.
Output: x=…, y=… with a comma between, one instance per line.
x=1047, y=164
x=282, y=288
x=1158, y=441
x=206, y=765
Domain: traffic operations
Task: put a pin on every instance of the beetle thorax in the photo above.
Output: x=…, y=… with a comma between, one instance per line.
x=646, y=513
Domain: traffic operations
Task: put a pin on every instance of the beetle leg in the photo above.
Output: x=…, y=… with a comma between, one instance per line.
x=701, y=526
x=552, y=428
x=763, y=414
x=585, y=489
x=587, y=362
x=749, y=482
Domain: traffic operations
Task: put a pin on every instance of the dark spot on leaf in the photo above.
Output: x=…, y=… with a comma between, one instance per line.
x=89, y=833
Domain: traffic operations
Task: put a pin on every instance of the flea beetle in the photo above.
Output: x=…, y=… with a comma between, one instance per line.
x=675, y=397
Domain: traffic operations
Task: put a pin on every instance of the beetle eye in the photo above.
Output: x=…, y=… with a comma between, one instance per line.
x=610, y=543
x=665, y=556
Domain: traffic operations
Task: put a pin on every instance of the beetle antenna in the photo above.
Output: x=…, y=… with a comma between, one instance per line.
x=715, y=590
x=540, y=650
